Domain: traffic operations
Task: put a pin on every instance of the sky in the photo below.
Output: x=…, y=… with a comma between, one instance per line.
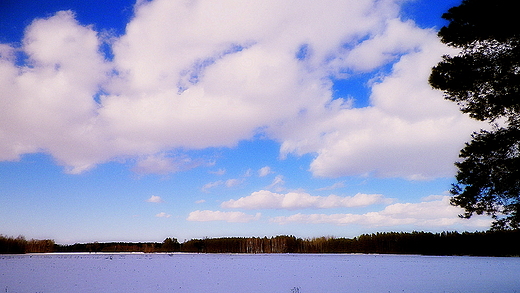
x=137, y=121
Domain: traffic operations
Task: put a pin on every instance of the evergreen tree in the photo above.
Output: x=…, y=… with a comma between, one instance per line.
x=484, y=80
x=170, y=245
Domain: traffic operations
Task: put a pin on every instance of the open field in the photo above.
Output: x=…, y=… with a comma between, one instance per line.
x=290, y=273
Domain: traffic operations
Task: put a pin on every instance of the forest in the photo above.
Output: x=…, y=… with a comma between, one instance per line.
x=489, y=243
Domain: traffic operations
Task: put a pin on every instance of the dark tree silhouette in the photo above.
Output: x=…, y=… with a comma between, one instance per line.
x=489, y=243
x=170, y=245
x=484, y=80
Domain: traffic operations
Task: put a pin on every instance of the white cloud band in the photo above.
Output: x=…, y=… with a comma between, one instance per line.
x=437, y=213
x=264, y=199
x=230, y=217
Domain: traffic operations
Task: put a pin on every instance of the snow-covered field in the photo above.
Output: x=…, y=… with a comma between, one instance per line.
x=289, y=273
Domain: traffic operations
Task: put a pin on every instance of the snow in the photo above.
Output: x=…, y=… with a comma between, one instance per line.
x=289, y=273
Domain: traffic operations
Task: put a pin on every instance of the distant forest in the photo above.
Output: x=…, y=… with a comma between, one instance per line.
x=490, y=243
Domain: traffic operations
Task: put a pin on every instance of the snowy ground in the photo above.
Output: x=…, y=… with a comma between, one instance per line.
x=289, y=273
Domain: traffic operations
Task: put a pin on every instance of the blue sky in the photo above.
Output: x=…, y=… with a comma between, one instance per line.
x=188, y=119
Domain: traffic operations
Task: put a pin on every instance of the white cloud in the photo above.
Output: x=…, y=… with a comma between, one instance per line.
x=228, y=183
x=161, y=164
x=300, y=200
x=408, y=130
x=333, y=186
x=394, y=39
x=49, y=106
x=431, y=214
x=233, y=182
x=155, y=199
x=218, y=172
x=210, y=74
x=163, y=215
x=433, y=197
x=210, y=185
x=277, y=183
x=200, y=201
x=247, y=173
x=264, y=171
x=230, y=217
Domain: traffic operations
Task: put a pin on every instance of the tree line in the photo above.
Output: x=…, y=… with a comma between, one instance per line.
x=21, y=245
x=490, y=243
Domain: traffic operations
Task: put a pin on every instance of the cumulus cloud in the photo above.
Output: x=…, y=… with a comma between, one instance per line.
x=233, y=182
x=210, y=185
x=430, y=214
x=192, y=75
x=230, y=217
x=228, y=183
x=48, y=105
x=155, y=199
x=247, y=173
x=408, y=130
x=277, y=183
x=163, y=215
x=161, y=164
x=218, y=172
x=300, y=200
x=333, y=186
x=264, y=171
